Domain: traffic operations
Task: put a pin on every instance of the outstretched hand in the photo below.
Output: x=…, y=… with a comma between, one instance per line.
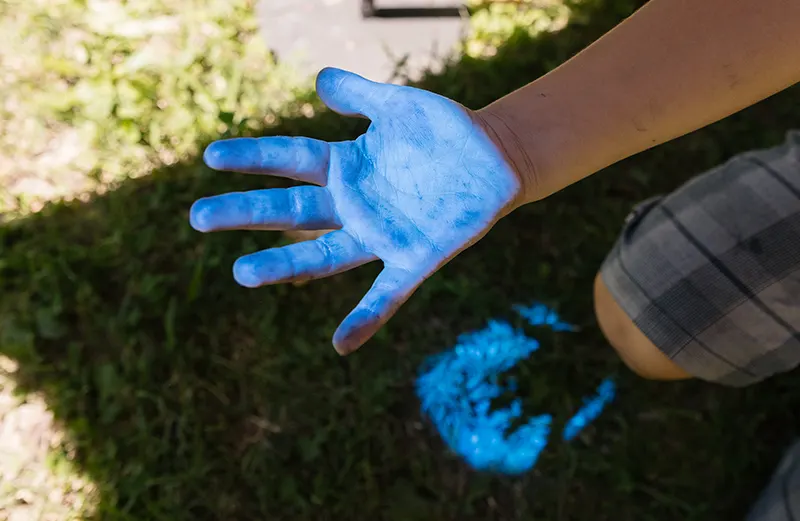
x=421, y=185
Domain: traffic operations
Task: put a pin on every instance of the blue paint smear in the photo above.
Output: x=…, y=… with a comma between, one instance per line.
x=456, y=391
x=539, y=314
x=591, y=409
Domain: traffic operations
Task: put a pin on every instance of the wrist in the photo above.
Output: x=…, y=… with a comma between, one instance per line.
x=555, y=133
x=533, y=133
x=513, y=150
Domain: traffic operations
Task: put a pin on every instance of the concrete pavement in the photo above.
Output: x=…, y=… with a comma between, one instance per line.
x=312, y=34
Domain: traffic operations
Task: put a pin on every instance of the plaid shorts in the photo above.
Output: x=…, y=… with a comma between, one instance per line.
x=711, y=272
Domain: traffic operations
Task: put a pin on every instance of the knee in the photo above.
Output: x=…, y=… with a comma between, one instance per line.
x=635, y=349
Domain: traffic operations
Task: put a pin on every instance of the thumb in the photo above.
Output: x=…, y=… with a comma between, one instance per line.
x=352, y=95
x=391, y=289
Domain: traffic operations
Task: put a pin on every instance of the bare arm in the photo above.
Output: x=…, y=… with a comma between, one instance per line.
x=671, y=68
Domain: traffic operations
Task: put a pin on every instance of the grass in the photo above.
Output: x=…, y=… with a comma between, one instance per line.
x=98, y=91
x=185, y=397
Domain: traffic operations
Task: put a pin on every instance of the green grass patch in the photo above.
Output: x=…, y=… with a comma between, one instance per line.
x=186, y=397
x=98, y=91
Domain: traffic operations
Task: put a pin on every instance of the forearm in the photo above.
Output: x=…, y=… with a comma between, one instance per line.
x=671, y=68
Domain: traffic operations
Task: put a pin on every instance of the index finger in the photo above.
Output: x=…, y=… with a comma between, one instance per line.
x=299, y=158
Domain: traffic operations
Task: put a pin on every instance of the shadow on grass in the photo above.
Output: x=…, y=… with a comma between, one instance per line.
x=188, y=397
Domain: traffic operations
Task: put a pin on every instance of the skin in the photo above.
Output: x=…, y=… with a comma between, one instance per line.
x=421, y=185
x=430, y=177
x=636, y=350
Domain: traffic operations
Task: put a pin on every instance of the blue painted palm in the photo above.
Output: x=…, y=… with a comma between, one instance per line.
x=421, y=185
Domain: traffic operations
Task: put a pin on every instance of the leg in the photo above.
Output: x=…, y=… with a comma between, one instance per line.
x=635, y=349
x=705, y=282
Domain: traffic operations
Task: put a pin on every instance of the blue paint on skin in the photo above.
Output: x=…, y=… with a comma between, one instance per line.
x=422, y=184
x=466, y=219
x=273, y=209
x=334, y=252
x=433, y=213
x=591, y=409
x=297, y=158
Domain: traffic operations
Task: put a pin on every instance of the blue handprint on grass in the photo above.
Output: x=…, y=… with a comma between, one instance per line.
x=421, y=185
x=456, y=389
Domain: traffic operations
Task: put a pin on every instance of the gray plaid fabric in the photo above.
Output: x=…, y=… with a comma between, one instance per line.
x=711, y=272
x=780, y=501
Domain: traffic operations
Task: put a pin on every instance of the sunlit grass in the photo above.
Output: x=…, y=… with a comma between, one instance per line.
x=38, y=479
x=492, y=23
x=97, y=91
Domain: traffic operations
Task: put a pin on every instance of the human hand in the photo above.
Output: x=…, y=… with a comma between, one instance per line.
x=421, y=185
